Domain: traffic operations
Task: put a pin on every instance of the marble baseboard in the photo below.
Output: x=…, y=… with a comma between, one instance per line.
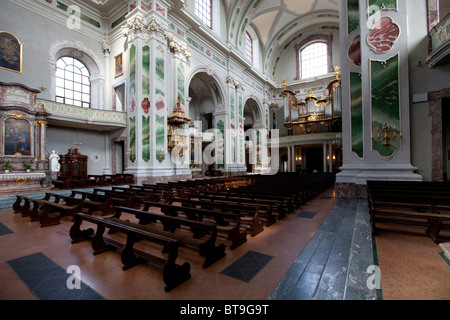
x=350, y=191
x=162, y=179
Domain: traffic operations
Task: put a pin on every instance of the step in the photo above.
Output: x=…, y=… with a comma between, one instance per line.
x=333, y=266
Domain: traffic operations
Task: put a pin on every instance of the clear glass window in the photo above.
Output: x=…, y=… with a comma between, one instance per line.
x=314, y=60
x=72, y=82
x=249, y=47
x=203, y=10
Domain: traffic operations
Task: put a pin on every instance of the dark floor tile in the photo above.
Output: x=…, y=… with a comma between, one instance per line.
x=307, y=214
x=248, y=266
x=47, y=280
x=4, y=230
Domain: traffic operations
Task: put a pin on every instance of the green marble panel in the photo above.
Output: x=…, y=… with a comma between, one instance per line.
x=378, y=5
x=160, y=138
x=220, y=152
x=132, y=150
x=241, y=110
x=356, y=114
x=133, y=69
x=232, y=112
x=146, y=138
x=233, y=149
x=181, y=84
x=386, y=127
x=233, y=22
x=353, y=15
x=146, y=70
x=216, y=91
x=241, y=36
x=258, y=149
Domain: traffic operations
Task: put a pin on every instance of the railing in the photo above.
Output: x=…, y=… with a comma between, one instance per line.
x=69, y=113
x=440, y=43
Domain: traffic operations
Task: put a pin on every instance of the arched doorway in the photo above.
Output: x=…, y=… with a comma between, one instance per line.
x=205, y=97
x=252, y=122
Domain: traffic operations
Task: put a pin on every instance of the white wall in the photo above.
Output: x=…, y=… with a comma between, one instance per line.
x=37, y=34
x=422, y=81
x=61, y=139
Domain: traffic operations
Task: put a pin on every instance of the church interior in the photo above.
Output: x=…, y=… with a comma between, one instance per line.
x=224, y=150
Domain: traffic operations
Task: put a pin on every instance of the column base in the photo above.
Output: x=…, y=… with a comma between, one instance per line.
x=352, y=180
x=158, y=175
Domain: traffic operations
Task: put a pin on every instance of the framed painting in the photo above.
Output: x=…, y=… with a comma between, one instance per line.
x=118, y=65
x=17, y=137
x=10, y=52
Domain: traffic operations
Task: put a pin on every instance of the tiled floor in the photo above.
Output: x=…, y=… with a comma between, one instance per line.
x=411, y=264
x=262, y=260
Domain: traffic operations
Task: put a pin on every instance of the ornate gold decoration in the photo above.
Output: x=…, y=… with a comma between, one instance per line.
x=177, y=119
x=21, y=180
x=17, y=115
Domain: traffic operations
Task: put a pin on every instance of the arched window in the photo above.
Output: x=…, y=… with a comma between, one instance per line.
x=314, y=56
x=314, y=60
x=249, y=47
x=72, y=82
x=204, y=11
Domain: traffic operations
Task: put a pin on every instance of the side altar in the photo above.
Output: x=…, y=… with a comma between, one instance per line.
x=23, y=156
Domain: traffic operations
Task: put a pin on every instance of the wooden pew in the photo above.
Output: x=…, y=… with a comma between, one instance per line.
x=173, y=274
x=139, y=195
x=239, y=200
x=250, y=216
x=205, y=245
x=62, y=182
x=401, y=203
x=49, y=210
x=95, y=202
x=232, y=231
x=22, y=205
x=119, y=198
x=97, y=180
x=264, y=211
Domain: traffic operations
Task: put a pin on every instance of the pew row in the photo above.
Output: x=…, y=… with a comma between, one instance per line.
x=202, y=235
x=405, y=203
x=232, y=230
x=173, y=274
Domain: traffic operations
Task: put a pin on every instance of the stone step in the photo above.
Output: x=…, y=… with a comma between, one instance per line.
x=333, y=265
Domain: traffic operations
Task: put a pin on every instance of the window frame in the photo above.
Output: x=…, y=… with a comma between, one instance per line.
x=249, y=50
x=200, y=4
x=327, y=39
x=63, y=99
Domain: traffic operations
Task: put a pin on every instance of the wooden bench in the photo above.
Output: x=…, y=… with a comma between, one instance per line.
x=231, y=230
x=139, y=195
x=49, y=210
x=409, y=206
x=22, y=205
x=250, y=216
x=94, y=202
x=206, y=245
x=173, y=274
x=239, y=200
x=119, y=198
x=62, y=182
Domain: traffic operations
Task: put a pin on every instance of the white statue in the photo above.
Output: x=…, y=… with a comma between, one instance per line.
x=54, y=162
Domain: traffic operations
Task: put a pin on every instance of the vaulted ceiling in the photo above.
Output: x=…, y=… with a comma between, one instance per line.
x=278, y=20
x=277, y=23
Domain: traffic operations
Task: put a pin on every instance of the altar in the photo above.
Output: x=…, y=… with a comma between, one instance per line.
x=23, y=155
x=21, y=181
